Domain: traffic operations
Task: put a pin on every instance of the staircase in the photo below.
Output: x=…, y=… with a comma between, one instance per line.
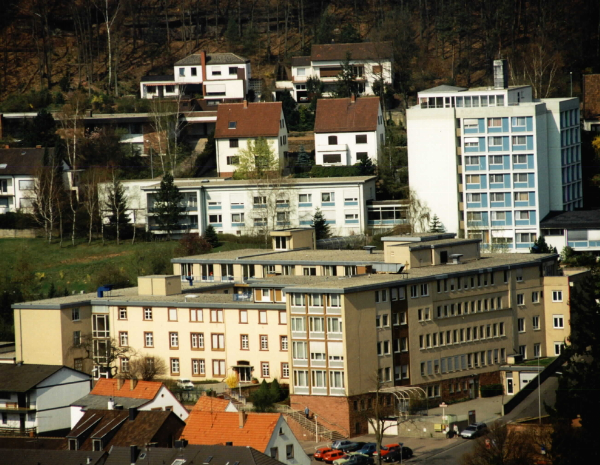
x=310, y=425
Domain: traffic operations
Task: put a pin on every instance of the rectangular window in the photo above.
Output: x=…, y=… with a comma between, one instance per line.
x=495, y=141
x=197, y=340
x=305, y=198
x=519, y=159
x=535, y=297
x=174, y=366
x=234, y=143
x=414, y=291
x=244, y=342
x=475, y=198
x=361, y=138
x=218, y=367
x=521, y=325
x=494, y=122
x=327, y=196
x=558, y=321
x=497, y=178
x=558, y=347
x=172, y=314
x=331, y=158
x=472, y=161
x=520, y=299
x=496, y=160
x=264, y=369
x=557, y=296
x=196, y=315
x=75, y=316
x=122, y=313
x=264, y=342
x=173, y=340
x=283, y=343
x=123, y=338
x=76, y=338
x=218, y=341
x=147, y=314
x=535, y=323
x=473, y=179
x=519, y=140
x=198, y=367
x=148, y=339
x=216, y=316
x=233, y=70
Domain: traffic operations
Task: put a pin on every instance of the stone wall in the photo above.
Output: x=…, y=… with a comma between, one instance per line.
x=19, y=233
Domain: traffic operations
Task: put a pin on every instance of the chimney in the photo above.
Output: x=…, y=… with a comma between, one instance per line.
x=500, y=74
x=132, y=383
x=132, y=413
x=203, y=64
x=242, y=418
x=133, y=452
x=111, y=404
x=229, y=443
x=245, y=103
x=120, y=382
x=88, y=460
x=353, y=98
x=89, y=113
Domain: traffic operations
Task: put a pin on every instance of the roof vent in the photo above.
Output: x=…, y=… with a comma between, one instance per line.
x=455, y=257
x=208, y=459
x=370, y=248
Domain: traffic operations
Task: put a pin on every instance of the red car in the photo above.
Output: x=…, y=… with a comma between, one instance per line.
x=320, y=452
x=385, y=450
x=335, y=454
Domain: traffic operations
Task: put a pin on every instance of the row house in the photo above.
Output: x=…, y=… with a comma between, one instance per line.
x=427, y=311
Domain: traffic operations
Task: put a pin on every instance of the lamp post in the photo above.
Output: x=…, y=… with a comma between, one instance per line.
x=401, y=452
x=316, y=429
x=539, y=388
x=571, y=76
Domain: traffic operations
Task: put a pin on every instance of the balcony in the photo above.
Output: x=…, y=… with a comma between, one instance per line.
x=300, y=362
x=243, y=297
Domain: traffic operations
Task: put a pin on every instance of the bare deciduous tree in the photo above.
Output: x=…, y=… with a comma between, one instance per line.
x=146, y=367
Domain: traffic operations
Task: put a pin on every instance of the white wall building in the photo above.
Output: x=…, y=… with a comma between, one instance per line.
x=218, y=77
x=237, y=123
x=491, y=162
x=371, y=61
x=348, y=130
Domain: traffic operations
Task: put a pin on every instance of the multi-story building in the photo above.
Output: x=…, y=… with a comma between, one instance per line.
x=239, y=123
x=370, y=61
x=492, y=162
x=250, y=207
x=218, y=77
x=348, y=130
x=426, y=311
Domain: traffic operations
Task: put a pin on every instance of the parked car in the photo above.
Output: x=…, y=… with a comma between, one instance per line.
x=394, y=454
x=386, y=449
x=355, y=459
x=335, y=454
x=318, y=455
x=368, y=449
x=474, y=430
x=352, y=447
x=339, y=443
x=185, y=384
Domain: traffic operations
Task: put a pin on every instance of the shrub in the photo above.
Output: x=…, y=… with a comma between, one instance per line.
x=192, y=244
x=491, y=390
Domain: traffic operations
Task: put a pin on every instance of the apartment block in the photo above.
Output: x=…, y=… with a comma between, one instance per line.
x=492, y=162
x=427, y=310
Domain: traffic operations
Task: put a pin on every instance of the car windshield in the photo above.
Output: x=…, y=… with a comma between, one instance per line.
x=471, y=428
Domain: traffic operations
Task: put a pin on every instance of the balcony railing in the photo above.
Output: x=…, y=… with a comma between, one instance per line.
x=244, y=297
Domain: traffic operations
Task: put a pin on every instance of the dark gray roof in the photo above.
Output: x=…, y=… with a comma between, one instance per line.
x=23, y=377
x=443, y=88
x=51, y=457
x=213, y=59
x=579, y=219
x=22, y=161
x=221, y=455
x=158, y=79
x=92, y=401
x=301, y=61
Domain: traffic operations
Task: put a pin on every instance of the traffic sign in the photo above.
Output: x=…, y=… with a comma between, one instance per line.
x=443, y=405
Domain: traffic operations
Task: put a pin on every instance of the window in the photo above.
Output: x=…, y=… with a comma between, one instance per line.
x=521, y=325
x=147, y=314
x=148, y=339
x=216, y=316
x=196, y=315
x=327, y=197
x=520, y=299
x=244, y=342
x=259, y=201
x=233, y=160
x=332, y=158
x=473, y=179
x=496, y=141
x=558, y=321
x=216, y=72
x=522, y=197
x=123, y=338
x=535, y=297
x=518, y=121
x=76, y=338
x=264, y=342
x=535, y=323
x=519, y=159
x=174, y=366
x=526, y=238
x=521, y=215
x=476, y=198
x=424, y=290
x=474, y=216
x=362, y=155
x=523, y=351
x=520, y=177
x=122, y=313
x=496, y=160
x=498, y=216
x=173, y=340
x=218, y=341
x=299, y=351
x=262, y=314
x=124, y=365
x=283, y=343
x=289, y=451
x=557, y=296
x=75, y=316
x=182, y=72
x=233, y=70
x=218, y=367
x=197, y=340
x=198, y=367
x=494, y=122
x=332, y=140
x=234, y=143
x=305, y=198
x=334, y=325
x=237, y=217
x=264, y=369
x=285, y=370
x=519, y=140
x=172, y=314
x=497, y=178
x=361, y=138
x=558, y=347
x=472, y=161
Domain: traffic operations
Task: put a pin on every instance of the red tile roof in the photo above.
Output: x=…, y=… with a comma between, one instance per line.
x=221, y=427
x=211, y=404
x=341, y=115
x=143, y=389
x=255, y=120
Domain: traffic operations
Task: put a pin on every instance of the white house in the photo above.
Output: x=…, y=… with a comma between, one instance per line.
x=371, y=62
x=237, y=123
x=348, y=130
x=19, y=169
x=37, y=398
x=578, y=229
x=491, y=162
x=127, y=393
x=219, y=77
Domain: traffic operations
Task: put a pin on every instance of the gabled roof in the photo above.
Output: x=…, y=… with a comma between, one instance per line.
x=110, y=387
x=221, y=427
x=51, y=457
x=211, y=404
x=23, y=377
x=577, y=219
x=443, y=88
x=251, y=120
x=213, y=59
x=220, y=455
x=373, y=51
x=342, y=115
x=300, y=61
x=21, y=161
x=101, y=402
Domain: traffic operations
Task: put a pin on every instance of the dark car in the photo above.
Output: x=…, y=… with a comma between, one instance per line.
x=394, y=454
x=352, y=446
x=360, y=459
x=473, y=431
x=368, y=449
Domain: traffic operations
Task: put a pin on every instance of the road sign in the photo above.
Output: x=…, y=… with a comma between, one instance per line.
x=443, y=405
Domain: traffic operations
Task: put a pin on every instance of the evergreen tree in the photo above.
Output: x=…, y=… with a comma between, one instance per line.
x=349, y=34
x=40, y=131
x=211, y=236
x=364, y=167
x=540, y=246
x=117, y=205
x=320, y=225
x=290, y=110
x=167, y=205
x=436, y=225
x=207, y=160
x=262, y=399
x=346, y=80
x=275, y=390
x=232, y=31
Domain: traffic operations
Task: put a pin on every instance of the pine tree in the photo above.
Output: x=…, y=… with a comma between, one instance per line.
x=211, y=236
x=167, y=205
x=346, y=81
x=436, y=225
x=320, y=225
x=117, y=205
x=540, y=246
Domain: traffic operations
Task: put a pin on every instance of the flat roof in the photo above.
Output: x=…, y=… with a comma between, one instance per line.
x=221, y=182
x=577, y=219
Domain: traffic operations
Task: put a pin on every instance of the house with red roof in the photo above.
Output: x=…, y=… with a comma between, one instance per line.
x=238, y=123
x=214, y=404
x=348, y=130
x=266, y=432
x=117, y=393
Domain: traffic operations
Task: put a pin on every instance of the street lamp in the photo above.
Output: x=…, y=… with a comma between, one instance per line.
x=539, y=386
x=401, y=452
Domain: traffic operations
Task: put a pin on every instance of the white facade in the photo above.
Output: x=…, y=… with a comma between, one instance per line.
x=16, y=193
x=490, y=163
x=282, y=440
x=347, y=148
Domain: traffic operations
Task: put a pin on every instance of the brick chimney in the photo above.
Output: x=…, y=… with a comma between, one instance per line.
x=120, y=383
x=245, y=103
x=242, y=418
x=203, y=64
x=132, y=383
x=352, y=98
